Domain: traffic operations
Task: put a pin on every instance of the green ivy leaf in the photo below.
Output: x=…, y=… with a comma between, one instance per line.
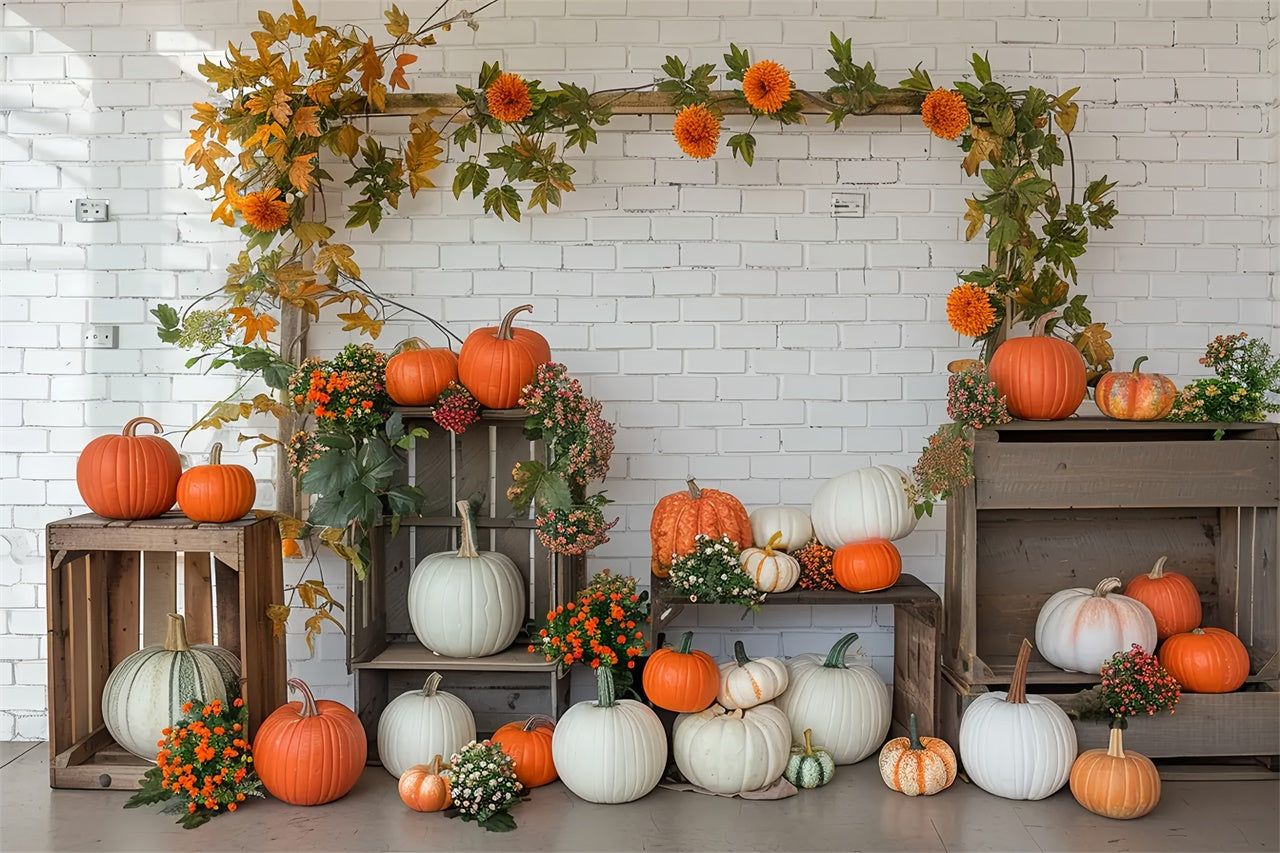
x=405, y=500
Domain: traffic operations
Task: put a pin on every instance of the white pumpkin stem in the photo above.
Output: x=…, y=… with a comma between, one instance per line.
x=131, y=428
x=538, y=721
x=605, y=695
x=769, y=548
x=1018, y=687
x=1115, y=747
x=308, y=700
x=504, y=328
x=808, y=741
x=432, y=683
x=1105, y=586
x=694, y=492
x=468, y=548
x=215, y=453
x=1038, y=329
x=1157, y=571
x=736, y=713
x=175, y=639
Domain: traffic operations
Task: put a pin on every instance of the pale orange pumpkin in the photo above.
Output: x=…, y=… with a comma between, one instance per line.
x=1171, y=597
x=680, y=517
x=129, y=476
x=216, y=493
x=1135, y=396
x=426, y=787
x=1206, y=660
x=1041, y=377
x=867, y=566
x=917, y=765
x=496, y=362
x=528, y=742
x=1115, y=782
x=417, y=373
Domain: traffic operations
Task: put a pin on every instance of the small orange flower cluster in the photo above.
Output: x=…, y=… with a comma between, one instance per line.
x=697, y=131
x=766, y=86
x=969, y=310
x=815, y=566
x=603, y=626
x=509, y=99
x=945, y=113
x=265, y=210
x=206, y=759
x=321, y=391
x=347, y=393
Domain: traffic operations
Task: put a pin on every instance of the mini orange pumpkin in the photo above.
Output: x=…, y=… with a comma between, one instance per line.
x=1171, y=597
x=1041, y=377
x=496, y=362
x=424, y=788
x=529, y=745
x=416, y=373
x=680, y=517
x=215, y=492
x=1114, y=782
x=308, y=753
x=867, y=566
x=1135, y=396
x=683, y=680
x=1206, y=660
x=129, y=475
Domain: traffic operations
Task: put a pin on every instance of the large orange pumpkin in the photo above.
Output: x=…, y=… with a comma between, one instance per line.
x=426, y=787
x=528, y=742
x=867, y=566
x=129, y=475
x=416, y=373
x=310, y=752
x=215, y=492
x=1206, y=660
x=1171, y=597
x=1041, y=377
x=1114, y=782
x=1135, y=396
x=681, y=516
x=496, y=362
x=684, y=680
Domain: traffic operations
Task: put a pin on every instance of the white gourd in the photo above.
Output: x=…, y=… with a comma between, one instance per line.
x=746, y=683
x=770, y=570
x=1017, y=746
x=146, y=691
x=847, y=707
x=420, y=724
x=610, y=750
x=466, y=605
x=792, y=523
x=1078, y=629
x=731, y=751
x=867, y=503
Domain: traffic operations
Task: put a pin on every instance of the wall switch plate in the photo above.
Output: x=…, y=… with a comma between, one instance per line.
x=101, y=337
x=848, y=204
x=91, y=210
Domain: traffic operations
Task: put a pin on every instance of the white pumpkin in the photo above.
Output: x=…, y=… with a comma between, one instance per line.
x=732, y=751
x=466, y=605
x=867, y=503
x=771, y=570
x=847, y=707
x=1017, y=746
x=145, y=693
x=746, y=683
x=1078, y=629
x=792, y=523
x=610, y=750
x=420, y=724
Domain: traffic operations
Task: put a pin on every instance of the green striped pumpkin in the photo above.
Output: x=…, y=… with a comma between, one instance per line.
x=809, y=766
x=146, y=692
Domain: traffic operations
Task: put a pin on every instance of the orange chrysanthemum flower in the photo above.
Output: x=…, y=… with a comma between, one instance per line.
x=265, y=210
x=945, y=113
x=767, y=86
x=508, y=98
x=969, y=310
x=697, y=131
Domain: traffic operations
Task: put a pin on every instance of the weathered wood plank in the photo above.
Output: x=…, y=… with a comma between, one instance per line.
x=263, y=665
x=80, y=649
x=58, y=618
x=124, y=593
x=960, y=581
x=916, y=632
x=197, y=596
x=417, y=656
x=159, y=594
x=136, y=538
x=226, y=595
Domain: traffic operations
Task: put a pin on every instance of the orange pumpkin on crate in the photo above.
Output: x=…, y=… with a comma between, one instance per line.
x=1135, y=396
x=129, y=476
x=497, y=361
x=1171, y=597
x=1206, y=660
x=867, y=566
x=417, y=373
x=681, y=516
x=215, y=492
x=1042, y=378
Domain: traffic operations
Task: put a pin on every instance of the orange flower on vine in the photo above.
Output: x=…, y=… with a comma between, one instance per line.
x=969, y=310
x=767, y=86
x=265, y=210
x=697, y=131
x=509, y=98
x=945, y=113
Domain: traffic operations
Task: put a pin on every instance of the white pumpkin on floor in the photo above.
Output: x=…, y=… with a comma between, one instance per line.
x=847, y=707
x=1078, y=629
x=1014, y=745
x=610, y=750
x=729, y=752
x=466, y=605
x=746, y=683
x=770, y=569
x=867, y=503
x=792, y=523
x=420, y=724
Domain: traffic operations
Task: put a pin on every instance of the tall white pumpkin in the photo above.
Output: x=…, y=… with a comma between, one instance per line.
x=733, y=751
x=867, y=503
x=791, y=522
x=146, y=691
x=847, y=707
x=1078, y=629
x=610, y=750
x=421, y=724
x=466, y=605
x=1017, y=746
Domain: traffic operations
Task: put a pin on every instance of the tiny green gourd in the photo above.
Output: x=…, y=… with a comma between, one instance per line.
x=809, y=766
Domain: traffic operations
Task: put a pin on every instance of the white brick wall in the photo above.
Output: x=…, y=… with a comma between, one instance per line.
x=733, y=329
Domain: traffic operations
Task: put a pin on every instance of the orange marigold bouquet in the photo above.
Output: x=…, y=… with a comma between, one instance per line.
x=204, y=766
x=602, y=626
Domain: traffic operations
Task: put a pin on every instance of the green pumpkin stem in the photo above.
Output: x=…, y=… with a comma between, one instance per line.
x=740, y=653
x=686, y=643
x=913, y=730
x=432, y=684
x=835, y=658
x=175, y=638
x=1018, y=687
x=808, y=742
x=468, y=547
x=1137, y=363
x=694, y=492
x=504, y=328
x=308, y=700
x=605, y=696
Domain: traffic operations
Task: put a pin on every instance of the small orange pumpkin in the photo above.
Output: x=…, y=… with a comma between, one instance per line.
x=129, y=475
x=308, y=753
x=684, y=680
x=496, y=362
x=425, y=788
x=1114, y=782
x=1171, y=597
x=1041, y=377
x=215, y=492
x=680, y=517
x=1135, y=396
x=917, y=765
x=1206, y=660
x=417, y=373
x=867, y=566
x=529, y=745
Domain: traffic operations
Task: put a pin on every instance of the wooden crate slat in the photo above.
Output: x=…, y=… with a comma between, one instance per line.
x=226, y=595
x=197, y=596
x=124, y=591
x=80, y=651
x=159, y=594
x=509, y=447
x=1260, y=541
x=264, y=687
x=57, y=615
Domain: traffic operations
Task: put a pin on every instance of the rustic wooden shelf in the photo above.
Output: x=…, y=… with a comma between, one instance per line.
x=518, y=658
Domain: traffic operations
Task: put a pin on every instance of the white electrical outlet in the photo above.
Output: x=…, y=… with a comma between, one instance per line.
x=91, y=210
x=101, y=337
x=848, y=204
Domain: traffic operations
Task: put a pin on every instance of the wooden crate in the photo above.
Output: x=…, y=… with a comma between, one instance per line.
x=384, y=653
x=111, y=586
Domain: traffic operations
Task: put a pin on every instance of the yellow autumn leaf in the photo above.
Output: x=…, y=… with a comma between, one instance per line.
x=337, y=255
x=421, y=156
x=370, y=65
x=306, y=121
x=974, y=216
x=360, y=321
x=281, y=108
x=1093, y=342
x=264, y=441
x=397, y=22
x=984, y=147
x=222, y=413
x=279, y=616
x=1065, y=118
x=421, y=121
x=300, y=172
x=267, y=403
x=299, y=22
x=378, y=96
x=309, y=233
x=349, y=140
x=254, y=325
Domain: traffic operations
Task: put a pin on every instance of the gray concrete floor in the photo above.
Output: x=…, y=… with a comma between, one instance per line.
x=856, y=812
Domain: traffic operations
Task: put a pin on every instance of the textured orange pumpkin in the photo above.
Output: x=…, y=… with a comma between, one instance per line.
x=416, y=373
x=424, y=788
x=867, y=566
x=1171, y=597
x=681, y=516
x=129, y=475
x=496, y=362
x=1114, y=782
x=529, y=745
x=310, y=752
x=1206, y=660
x=1041, y=377
x=1135, y=396
x=917, y=765
x=684, y=680
x=215, y=492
